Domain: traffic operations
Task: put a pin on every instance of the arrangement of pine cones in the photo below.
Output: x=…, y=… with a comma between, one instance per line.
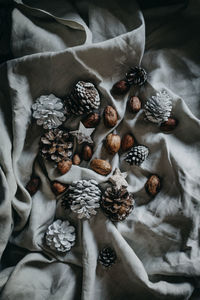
x=116, y=203
x=83, y=99
x=56, y=145
x=107, y=257
x=137, y=155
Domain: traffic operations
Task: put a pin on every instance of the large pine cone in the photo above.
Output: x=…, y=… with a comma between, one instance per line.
x=116, y=203
x=83, y=198
x=137, y=155
x=56, y=145
x=136, y=76
x=83, y=99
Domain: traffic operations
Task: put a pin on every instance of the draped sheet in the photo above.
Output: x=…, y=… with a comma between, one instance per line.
x=55, y=44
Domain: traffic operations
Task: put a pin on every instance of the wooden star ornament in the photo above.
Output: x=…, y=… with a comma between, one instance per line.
x=83, y=134
x=118, y=178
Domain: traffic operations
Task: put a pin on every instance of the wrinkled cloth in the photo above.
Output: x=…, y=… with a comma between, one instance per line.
x=55, y=44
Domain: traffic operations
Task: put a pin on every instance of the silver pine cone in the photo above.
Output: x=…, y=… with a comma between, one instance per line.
x=83, y=197
x=49, y=111
x=83, y=99
x=60, y=236
x=158, y=108
x=137, y=155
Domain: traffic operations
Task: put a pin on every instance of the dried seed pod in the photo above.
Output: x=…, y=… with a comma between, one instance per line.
x=127, y=142
x=152, y=185
x=58, y=187
x=91, y=120
x=33, y=185
x=169, y=125
x=121, y=87
x=136, y=76
x=64, y=166
x=101, y=166
x=87, y=152
x=110, y=116
x=113, y=143
x=107, y=257
x=76, y=159
x=134, y=104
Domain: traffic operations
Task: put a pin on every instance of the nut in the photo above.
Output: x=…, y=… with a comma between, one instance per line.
x=121, y=87
x=110, y=116
x=76, y=159
x=101, y=166
x=127, y=142
x=113, y=143
x=33, y=185
x=64, y=166
x=153, y=185
x=57, y=187
x=169, y=125
x=91, y=120
x=134, y=104
x=87, y=152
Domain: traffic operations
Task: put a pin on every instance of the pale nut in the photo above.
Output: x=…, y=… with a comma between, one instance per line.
x=64, y=166
x=76, y=159
x=110, y=116
x=91, y=120
x=101, y=166
x=58, y=188
x=134, y=104
x=87, y=152
x=153, y=185
x=127, y=142
x=113, y=143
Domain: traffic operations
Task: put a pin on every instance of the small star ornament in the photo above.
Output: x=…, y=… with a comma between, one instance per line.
x=83, y=134
x=118, y=178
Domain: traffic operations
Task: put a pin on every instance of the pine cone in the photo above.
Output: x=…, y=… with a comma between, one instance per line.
x=83, y=198
x=136, y=76
x=107, y=257
x=83, y=99
x=158, y=108
x=49, y=111
x=116, y=203
x=56, y=145
x=60, y=236
x=137, y=155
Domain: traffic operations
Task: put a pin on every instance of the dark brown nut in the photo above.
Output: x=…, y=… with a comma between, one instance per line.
x=121, y=87
x=110, y=116
x=64, y=166
x=87, y=152
x=113, y=143
x=91, y=120
x=58, y=188
x=33, y=185
x=101, y=166
x=134, y=104
x=153, y=185
x=128, y=142
x=169, y=125
x=76, y=159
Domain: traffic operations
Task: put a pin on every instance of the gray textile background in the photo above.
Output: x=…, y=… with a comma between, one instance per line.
x=158, y=246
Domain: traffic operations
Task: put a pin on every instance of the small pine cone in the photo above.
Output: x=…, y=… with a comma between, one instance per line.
x=49, y=111
x=107, y=257
x=116, y=203
x=83, y=197
x=83, y=99
x=158, y=108
x=60, y=236
x=56, y=145
x=137, y=155
x=136, y=76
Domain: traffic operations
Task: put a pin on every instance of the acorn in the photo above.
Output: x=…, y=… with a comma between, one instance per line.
x=58, y=188
x=87, y=152
x=153, y=185
x=134, y=104
x=91, y=120
x=76, y=159
x=110, y=116
x=113, y=143
x=64, y=166
x=121, y=87
x=128, y=142
x=33, y=185
x=169, y=125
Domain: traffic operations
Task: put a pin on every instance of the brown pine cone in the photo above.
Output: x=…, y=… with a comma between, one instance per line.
x=117, y=204
x=56, y=145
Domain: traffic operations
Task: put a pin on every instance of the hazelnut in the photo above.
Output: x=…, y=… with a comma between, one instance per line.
x=113, y=143
x=134, y=104
x=153, y=185
x=91, y=120
x=127, y=142
x=169, y=125
x=76, y=159
x=57, y=187
x=87, y=152
x=64, y=166
x=101, y=166
x=110, y=116
x=121, y=87
x=33, y=185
